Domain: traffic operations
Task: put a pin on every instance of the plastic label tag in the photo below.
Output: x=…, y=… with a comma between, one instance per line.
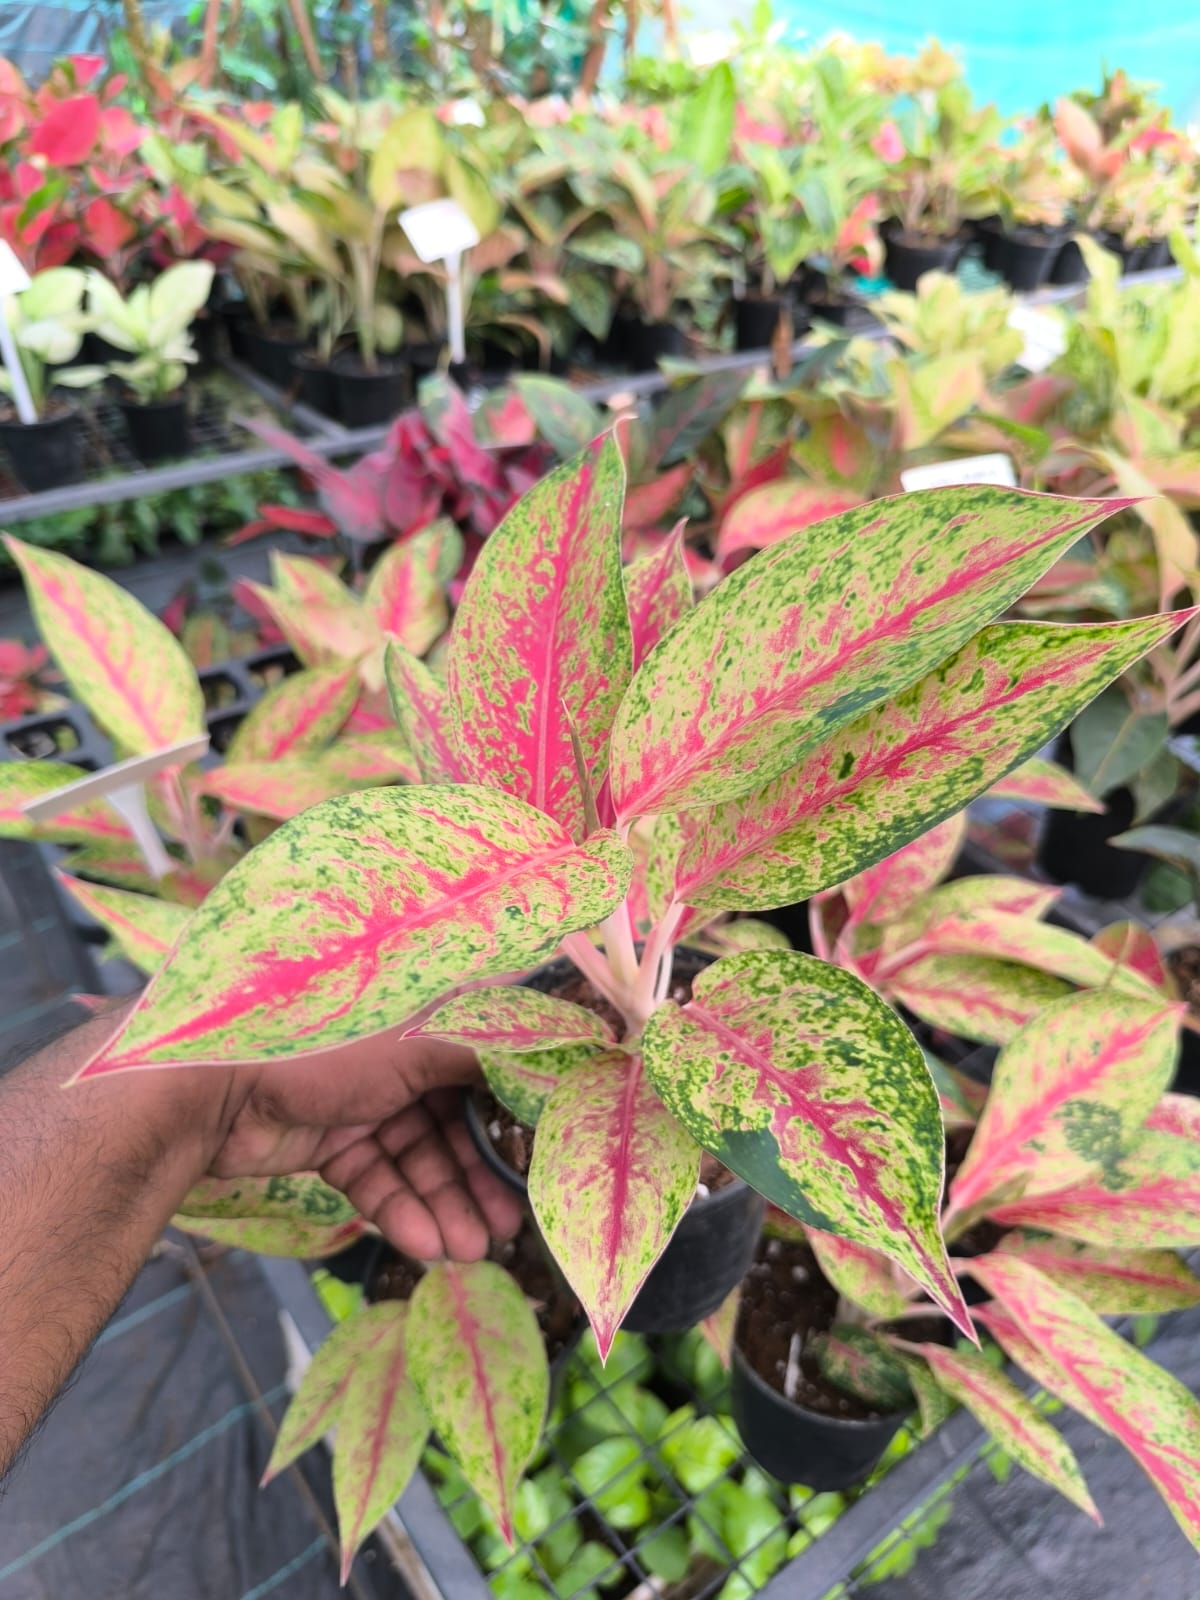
x=996, y=468
x=1045, y=337
x=13, y=277
x=438, y=229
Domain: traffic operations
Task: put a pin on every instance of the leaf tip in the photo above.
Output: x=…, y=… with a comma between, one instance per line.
x=348, y=1553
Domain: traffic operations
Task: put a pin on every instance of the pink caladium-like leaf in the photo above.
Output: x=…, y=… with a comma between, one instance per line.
x=477, y=1357
x=357, y=914
x=91, y=822
x=301, y=714
x=423, y=715
x=999, y=1407
x=777, y=510
x=718, y=1329
x=1149, y=1199
x=515, y=1020
x=990, y=1001
x=67, y=134
x=612, y=1174
x=1128, y=945
x=320, y=632
x=803, y=1082
x=285, y=788
x=861, y=1274
x=276, y=1236
x=314, y=583
x=126, y=667
x=405, y=593
x=317, y=1403
x=1112, y=1282
x=144, y=929
x=888, y=889
x=1048, y=784
x=649, y=504
x=847, y=613
x=659, y=590
x=1066, y=1348
x=354, y=499
x=541, y=642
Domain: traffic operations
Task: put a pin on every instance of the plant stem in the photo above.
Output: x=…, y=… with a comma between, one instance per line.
x=619, y=948
x=594, y=967
x=658, y=948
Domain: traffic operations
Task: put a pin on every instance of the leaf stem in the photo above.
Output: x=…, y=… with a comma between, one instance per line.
x=646, y=996
x=595, y=968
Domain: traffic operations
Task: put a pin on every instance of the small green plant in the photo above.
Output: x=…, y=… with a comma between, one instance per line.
x=48, y=323
x=152, y=325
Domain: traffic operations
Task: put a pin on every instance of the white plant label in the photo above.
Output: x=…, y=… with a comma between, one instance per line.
x=1045, y=337
x=439, y=229
x=996, y=468
x=13, y=277
x=13, y=280
x=123, y=786
x=467, y=114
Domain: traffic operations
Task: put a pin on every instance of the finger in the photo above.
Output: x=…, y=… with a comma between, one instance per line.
x=414, y=1142
x=503, y=1209
x=368, y=1177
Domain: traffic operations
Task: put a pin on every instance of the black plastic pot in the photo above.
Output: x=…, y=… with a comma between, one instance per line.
x=204, y=332
x=366, y=398
x=842, y=312
x=908, y=259
x=236, y=319
x=45, y=454
x=1073, y=848
x=315, y=382
x=158, y=431
x=1069, y=266
x=1156, y=255
x=1187, y=1067
x=709, y=1254
x=799, y=1446
x=1023, y=258
x=270, y=350
x=423, y=358
x=642, y=345
x=756, y=320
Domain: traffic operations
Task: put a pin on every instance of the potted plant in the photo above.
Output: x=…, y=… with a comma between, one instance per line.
x=152, y=325
x=939, y=181
x=1033, y=197
x=1048, y=1234
x=48, y=323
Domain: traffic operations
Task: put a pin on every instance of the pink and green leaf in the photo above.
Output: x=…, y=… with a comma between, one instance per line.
x=860, y=1274
x=1129, y=945
x=517, y=1019
x=974, y=896
x=275, y=1236
x=718, y=1329
x=123, y=664
x=317, y=1403
x=357, y=914
x=524, y=1080
x=845, y=614
x=933, y=1403
x=901, y=769
x=612, y=1174
x=1068, y=1096
x=1003, y=1411
x=312, y=583
x=297, y=716
x=284, y=788
x=423, y=715
x=1110, y=1282
x=774, y=511
x=977, y=998
x=301, y=1196
x=381, y=1425
x=541, y=643
x=479, y=1363
x=405, y=593
x=145, y=929
x=658, y=588
x=1067, y=1348
x=92, y=822
x=648, y=504
x=122, y=868
x=1048, y=784
x=799, y=1078
x=864, y=1365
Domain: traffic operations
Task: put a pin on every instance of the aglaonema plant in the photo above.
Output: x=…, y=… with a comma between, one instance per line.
x=1079, y=1182
x=605, y=771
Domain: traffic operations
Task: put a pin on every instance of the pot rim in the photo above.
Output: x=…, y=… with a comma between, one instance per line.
x=769, y=1391
x=178, y=400
x=69, y=413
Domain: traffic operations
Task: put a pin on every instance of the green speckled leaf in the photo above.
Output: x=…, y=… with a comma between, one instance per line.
x=1047, y=784
x=302, y=1196
x=381, y=1425
x=360, y=912
x=799, y=1078
x=524, y=1081
x=934, y=1405
x=477, y=1358
x=119, y=660
x=1111, y=1282
x=315, y=1406
x=973, y=996
x=810, y=634
x=301, y=714
x=1068, y=1350
x=541, y=641
x=860, y=1274
x=612, y=1175
x=1068, y=1095
x=275, y=1236
x=93, y=822
x=906, y=765
x=145, y=929
x=999, y=1406
x=743, y=933
x=423, y=715
x=862, y=1364
x=121, y=866
x=515, y=1019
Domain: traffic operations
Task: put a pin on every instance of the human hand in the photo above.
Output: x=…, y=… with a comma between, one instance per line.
x=379, y=1119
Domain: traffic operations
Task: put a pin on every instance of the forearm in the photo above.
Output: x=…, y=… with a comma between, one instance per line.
x=89, y=1176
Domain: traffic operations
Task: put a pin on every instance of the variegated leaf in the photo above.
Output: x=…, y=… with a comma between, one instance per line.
x=321, y=634
x=844, y=614
x=301, y=1196
x=990, y=1001
x=312, y=583
x=381, y=1425
x=1068, y=1096
x=317, y=1403
x=967, y=897
x=1003, y=1411
x=124, y=868
x=1150, y=1199
x=658, y=589
x=903, y=767
x=887, y=889
x=1110, y=1282
x=541, y=644
x=423, y=715
x=93, y=822
x=405, y=594
x=612, y=1175
x=524, y=1080
x=1066, y=1348
x=477, y=1358
x=775, y=511
x=863, y=1365
x=860, y=1274
x=515, y=1019
x=126, y=667
x=145, y=929
x=800, y=1079
x=284, y=788
x=299, y=715
x=740, y=933
x=718, y=1329
x=352, y=917
x=933, y=1403
x=1048, y=784
x=275, y=1236
x=1132, y=946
